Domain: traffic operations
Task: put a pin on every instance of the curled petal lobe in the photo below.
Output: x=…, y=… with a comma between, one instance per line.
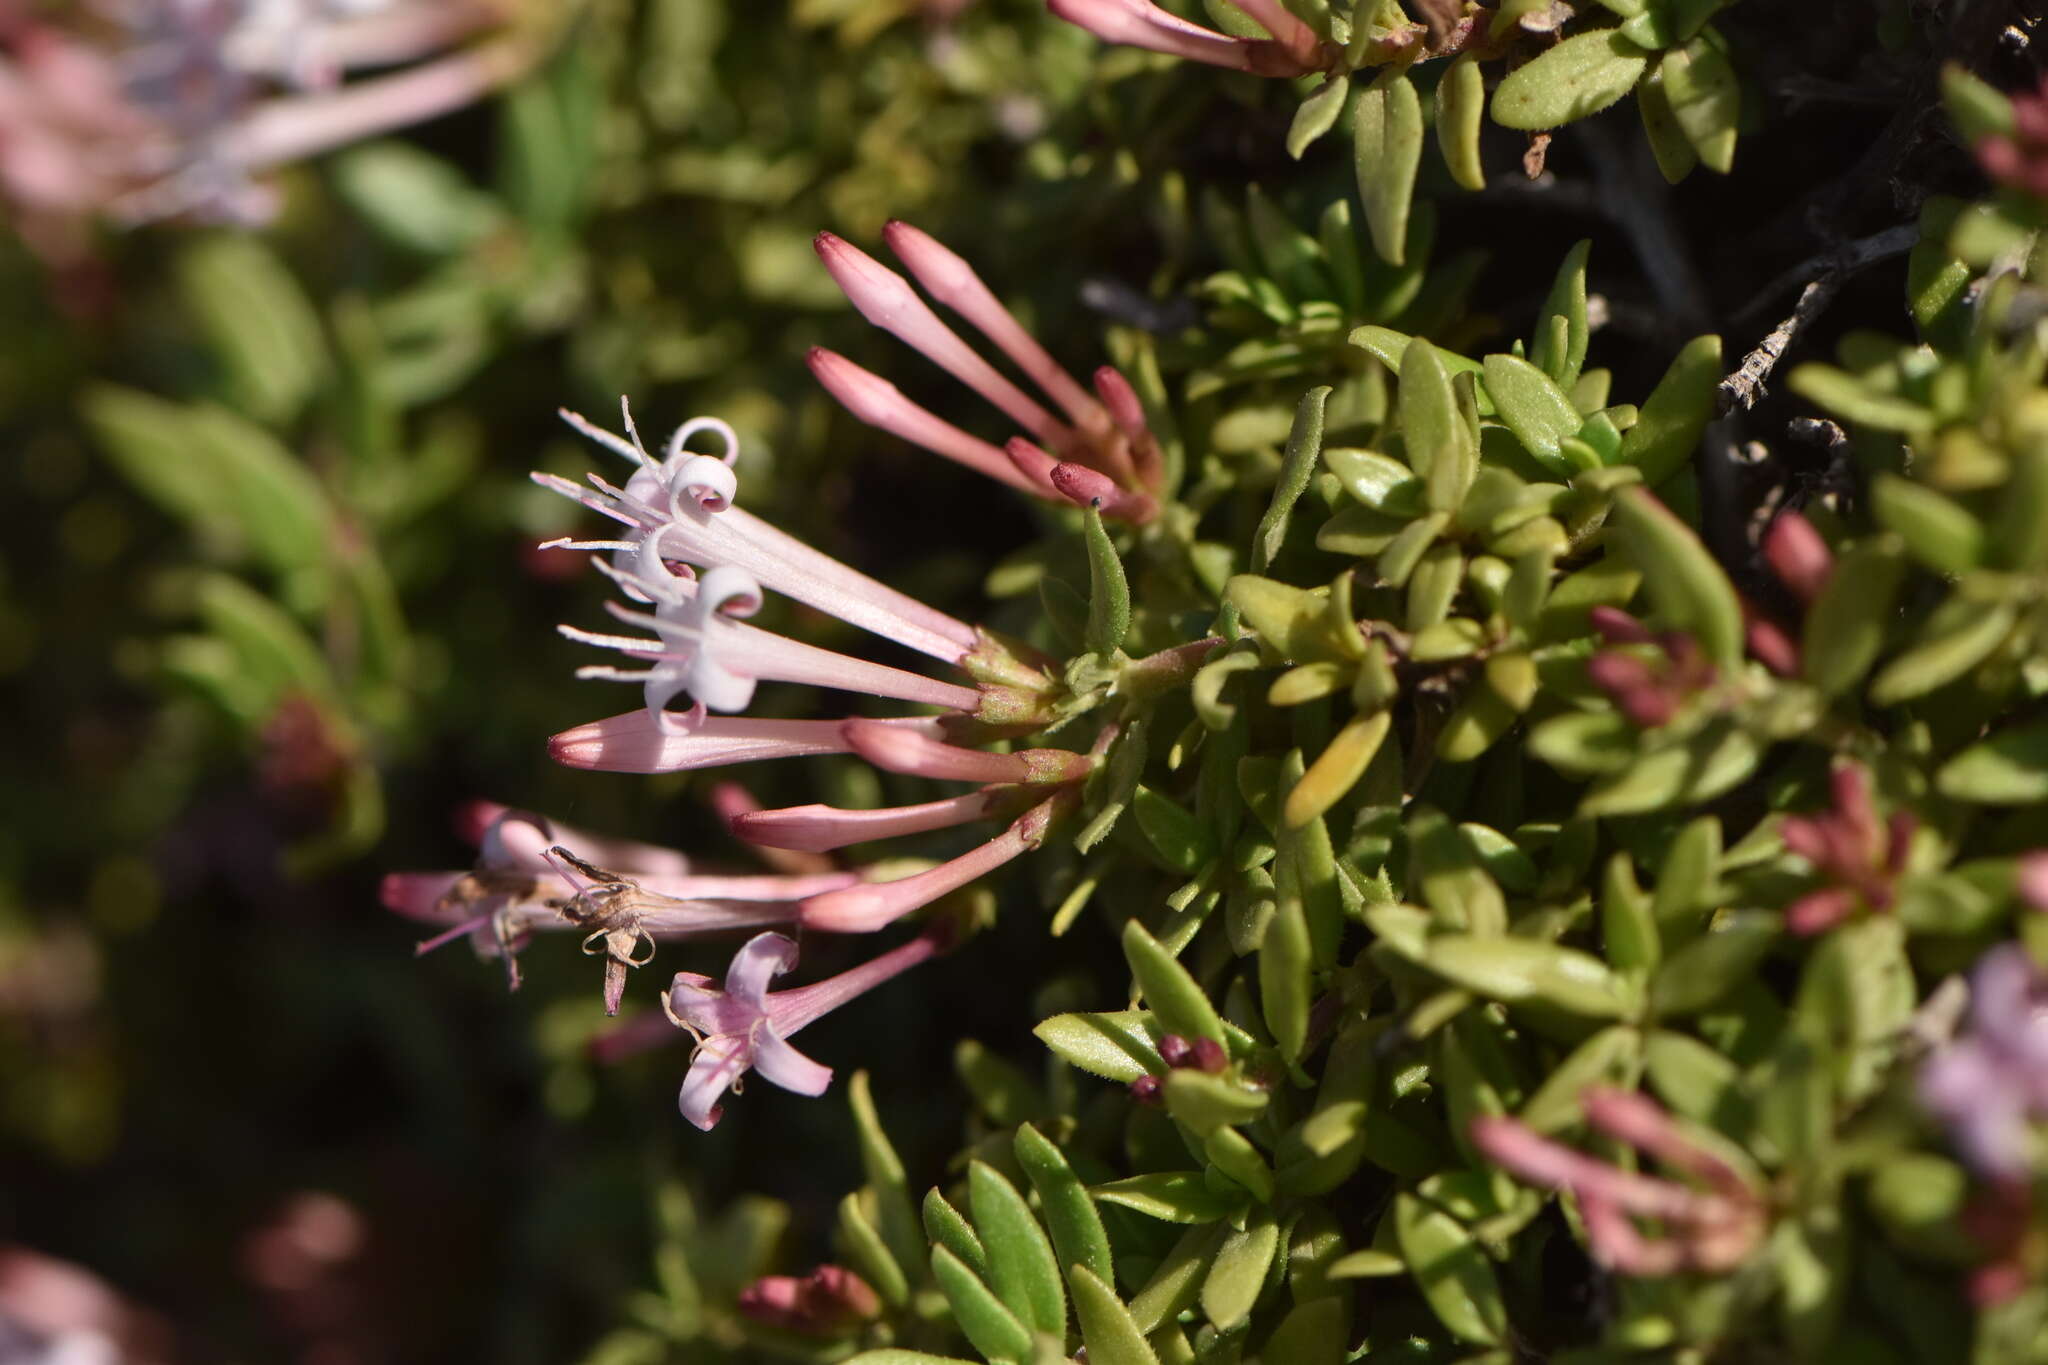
x=762, y=958
x=717, y=1066
x=783, y=1065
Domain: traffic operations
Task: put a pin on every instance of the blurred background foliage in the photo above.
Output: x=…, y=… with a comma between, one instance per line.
x=271, y=610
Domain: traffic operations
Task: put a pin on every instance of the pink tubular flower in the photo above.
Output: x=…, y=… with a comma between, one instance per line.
x=1990, y=1087
x=638, y=742
x=1110, y=440
x=1714, y=1229
x=1293, y=50
x=865, y=908
x=175, y=108
x=744, y=1026
x=817, y=829
x=704, y=650
x=680, y=508
x=1858, y=855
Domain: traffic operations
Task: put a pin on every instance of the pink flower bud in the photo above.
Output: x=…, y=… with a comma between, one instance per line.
x=1798, y=556
x=1617, y=627
x=875, y=401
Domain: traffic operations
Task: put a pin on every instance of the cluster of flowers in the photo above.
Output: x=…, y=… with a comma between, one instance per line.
x=693, y=566
x=145, y=109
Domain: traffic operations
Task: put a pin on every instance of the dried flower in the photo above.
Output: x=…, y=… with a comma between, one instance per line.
x=526, y=880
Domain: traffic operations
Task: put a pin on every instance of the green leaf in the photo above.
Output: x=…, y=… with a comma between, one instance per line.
x=1585, y=743
x=1317, y=115
x=1846, y=625
x=1286, y=955
x=1337, y=769
x=1238, y=1273
x=1070, y=1215
x=1304, y=446
x=271, y=649
x=1567, y=303
x=893, y=1355
x=1386, y=129
x=1535, y=409
x=949, y=1228
x=1960, y=635
x=1695, y=1080
x=1108, y=1328
x=416, y=200
x=1519, y=970
x=2008, y=769
x=1713, y=964
x=894, y=1206
x=992, y=1328
x=1116, y=1046
x=1706, y=99
x=1295, y=622
x=1171, y=829
x=1453, y=882
x=1460, y=106
x=1173, y=1288
x=1456, y=1279
x=1979, y=110
x=1022, y=1268
x=1314, y=1332
x=1603, y=1059
x=1171, y=1196
x=862, y=1245
x=1178, y=1003
x=145, y=436
x=1109, y=595
x=1673, y=417
x=1846, y=396
x=1672, y=149
x=1002, y=1092
x=1685, y=581
x=1379, y=481
x=1628, y=923
x=1205, y=1103
x=1939, y=531
x=1580, y=76
x=1699, y=768
x=262, y=326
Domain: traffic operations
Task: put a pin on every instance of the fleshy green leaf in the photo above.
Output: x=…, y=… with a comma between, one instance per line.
x=1171, y=1196
x=1580, y=76
x=1673, y=417
x=1070, y=1215
x=1022, y=1268
x=1685, y=582
x=1460, y=108
x=1116, y=1046
x=1178, y=1003
x=1387, y=143
x=994, y=1330
x=1455, y=1277
x=1107, y=1326
x=2008, y=769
